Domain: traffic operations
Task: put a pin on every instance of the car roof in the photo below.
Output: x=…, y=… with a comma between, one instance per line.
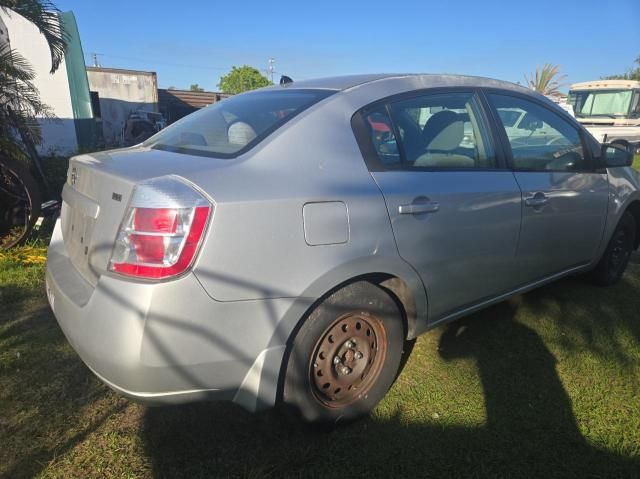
x=339, y=83
x=605, y=84
x=428, y=80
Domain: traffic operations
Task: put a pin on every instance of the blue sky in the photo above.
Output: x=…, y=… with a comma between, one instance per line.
x=198, y=41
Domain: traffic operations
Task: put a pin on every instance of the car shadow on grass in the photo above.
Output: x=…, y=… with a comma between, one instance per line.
x=530, y=429
x=51, y=400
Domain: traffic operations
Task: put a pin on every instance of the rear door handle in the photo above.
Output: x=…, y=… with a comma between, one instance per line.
x=537, y=200
x=418, y=208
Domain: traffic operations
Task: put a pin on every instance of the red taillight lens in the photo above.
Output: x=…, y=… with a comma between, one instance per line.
x=161, y=242
x=157, y=221
x=148, y=249
x=160, y=220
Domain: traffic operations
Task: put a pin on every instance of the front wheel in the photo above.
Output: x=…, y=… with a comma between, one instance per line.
x=616, y=257
x=346, y=355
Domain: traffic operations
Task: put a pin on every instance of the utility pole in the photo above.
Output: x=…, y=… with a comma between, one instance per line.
x=272, y=62
x=95, y=59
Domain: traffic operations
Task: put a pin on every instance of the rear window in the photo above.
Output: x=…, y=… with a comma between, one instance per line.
x=235, y=125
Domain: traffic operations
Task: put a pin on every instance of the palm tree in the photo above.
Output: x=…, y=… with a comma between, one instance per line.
x=20, y=106
x=19, y=98
x=546, y=79
x=44, y=15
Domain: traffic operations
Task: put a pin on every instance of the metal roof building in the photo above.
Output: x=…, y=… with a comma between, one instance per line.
x=174, y=104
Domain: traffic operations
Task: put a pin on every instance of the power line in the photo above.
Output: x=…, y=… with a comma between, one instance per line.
x=93, y=56
x=159, y=62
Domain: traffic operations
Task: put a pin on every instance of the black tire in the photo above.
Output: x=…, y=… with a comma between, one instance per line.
x=367, y=312
x=616, y=257
x=20, y=203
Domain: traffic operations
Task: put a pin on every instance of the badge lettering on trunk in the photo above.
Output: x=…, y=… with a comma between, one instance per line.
x=74, y=176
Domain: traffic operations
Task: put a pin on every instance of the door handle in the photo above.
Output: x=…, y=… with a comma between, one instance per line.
x=418, y=208
x=537, y=200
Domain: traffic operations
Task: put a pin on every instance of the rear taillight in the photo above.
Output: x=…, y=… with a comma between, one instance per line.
x=162, y=230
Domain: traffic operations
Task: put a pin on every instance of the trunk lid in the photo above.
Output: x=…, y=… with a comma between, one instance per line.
x=96, y=196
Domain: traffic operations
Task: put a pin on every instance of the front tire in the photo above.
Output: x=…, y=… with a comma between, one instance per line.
x=345, y=356
x=616, y=257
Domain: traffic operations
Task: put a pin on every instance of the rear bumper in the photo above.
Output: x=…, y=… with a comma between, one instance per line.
x=168, y=342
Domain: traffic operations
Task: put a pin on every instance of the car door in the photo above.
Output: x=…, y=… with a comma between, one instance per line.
x=564, y=194
x=454, y=207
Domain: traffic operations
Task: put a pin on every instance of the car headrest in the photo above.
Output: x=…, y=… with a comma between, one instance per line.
x=444, y=131
x=240, y=133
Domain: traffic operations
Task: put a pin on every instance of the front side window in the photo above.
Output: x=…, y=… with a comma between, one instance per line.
x=234, y=125
x=635, y=105
x=601, y=103
x=432, y=131
x=540, y=139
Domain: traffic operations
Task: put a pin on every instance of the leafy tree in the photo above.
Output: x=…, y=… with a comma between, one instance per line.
x=19, y=98
x=632, y=73
x=195, y=87
x=546, y=79
x=241, y=79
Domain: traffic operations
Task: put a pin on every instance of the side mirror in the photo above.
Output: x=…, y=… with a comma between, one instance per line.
x=614, y=155
x=535, y=125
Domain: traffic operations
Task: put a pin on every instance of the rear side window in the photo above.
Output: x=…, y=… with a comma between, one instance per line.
x=383, y=137
x=539, y=138
x=441, y=131
x=233, y=126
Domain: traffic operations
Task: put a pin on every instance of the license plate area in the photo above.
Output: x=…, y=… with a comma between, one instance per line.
x=78, y=219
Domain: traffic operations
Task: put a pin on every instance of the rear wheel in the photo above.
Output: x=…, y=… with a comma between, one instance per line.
x=346, y=355
x=616, y=257
x=19, y=203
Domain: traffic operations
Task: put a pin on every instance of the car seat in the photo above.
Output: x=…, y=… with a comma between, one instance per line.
x=441, y=136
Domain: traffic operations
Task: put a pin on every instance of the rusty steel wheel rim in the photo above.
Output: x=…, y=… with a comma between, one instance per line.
x=347, y=359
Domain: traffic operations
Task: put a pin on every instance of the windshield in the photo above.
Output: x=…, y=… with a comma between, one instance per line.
x=611, y=103
x=233, y=126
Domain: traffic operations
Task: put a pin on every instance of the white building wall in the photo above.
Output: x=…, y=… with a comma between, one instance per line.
x=59, y=136
x=121, y=93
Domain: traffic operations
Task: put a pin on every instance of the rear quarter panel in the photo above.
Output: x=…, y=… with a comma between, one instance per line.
x=256, y=246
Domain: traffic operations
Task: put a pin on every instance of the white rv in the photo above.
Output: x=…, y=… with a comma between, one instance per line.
x=609, y=109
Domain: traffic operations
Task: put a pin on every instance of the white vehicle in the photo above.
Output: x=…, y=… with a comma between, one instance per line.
x=527, y=129
x=609, y=109
x=563, y=102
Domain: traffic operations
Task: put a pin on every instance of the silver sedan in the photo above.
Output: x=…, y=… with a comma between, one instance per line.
x=283, y=245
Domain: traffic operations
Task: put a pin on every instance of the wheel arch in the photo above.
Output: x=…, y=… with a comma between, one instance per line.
x=634, y=209
x=396, y=277
x=399, y=290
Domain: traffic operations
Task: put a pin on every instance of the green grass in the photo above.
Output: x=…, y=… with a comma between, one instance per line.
x=636, y=162
x=547, y=385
